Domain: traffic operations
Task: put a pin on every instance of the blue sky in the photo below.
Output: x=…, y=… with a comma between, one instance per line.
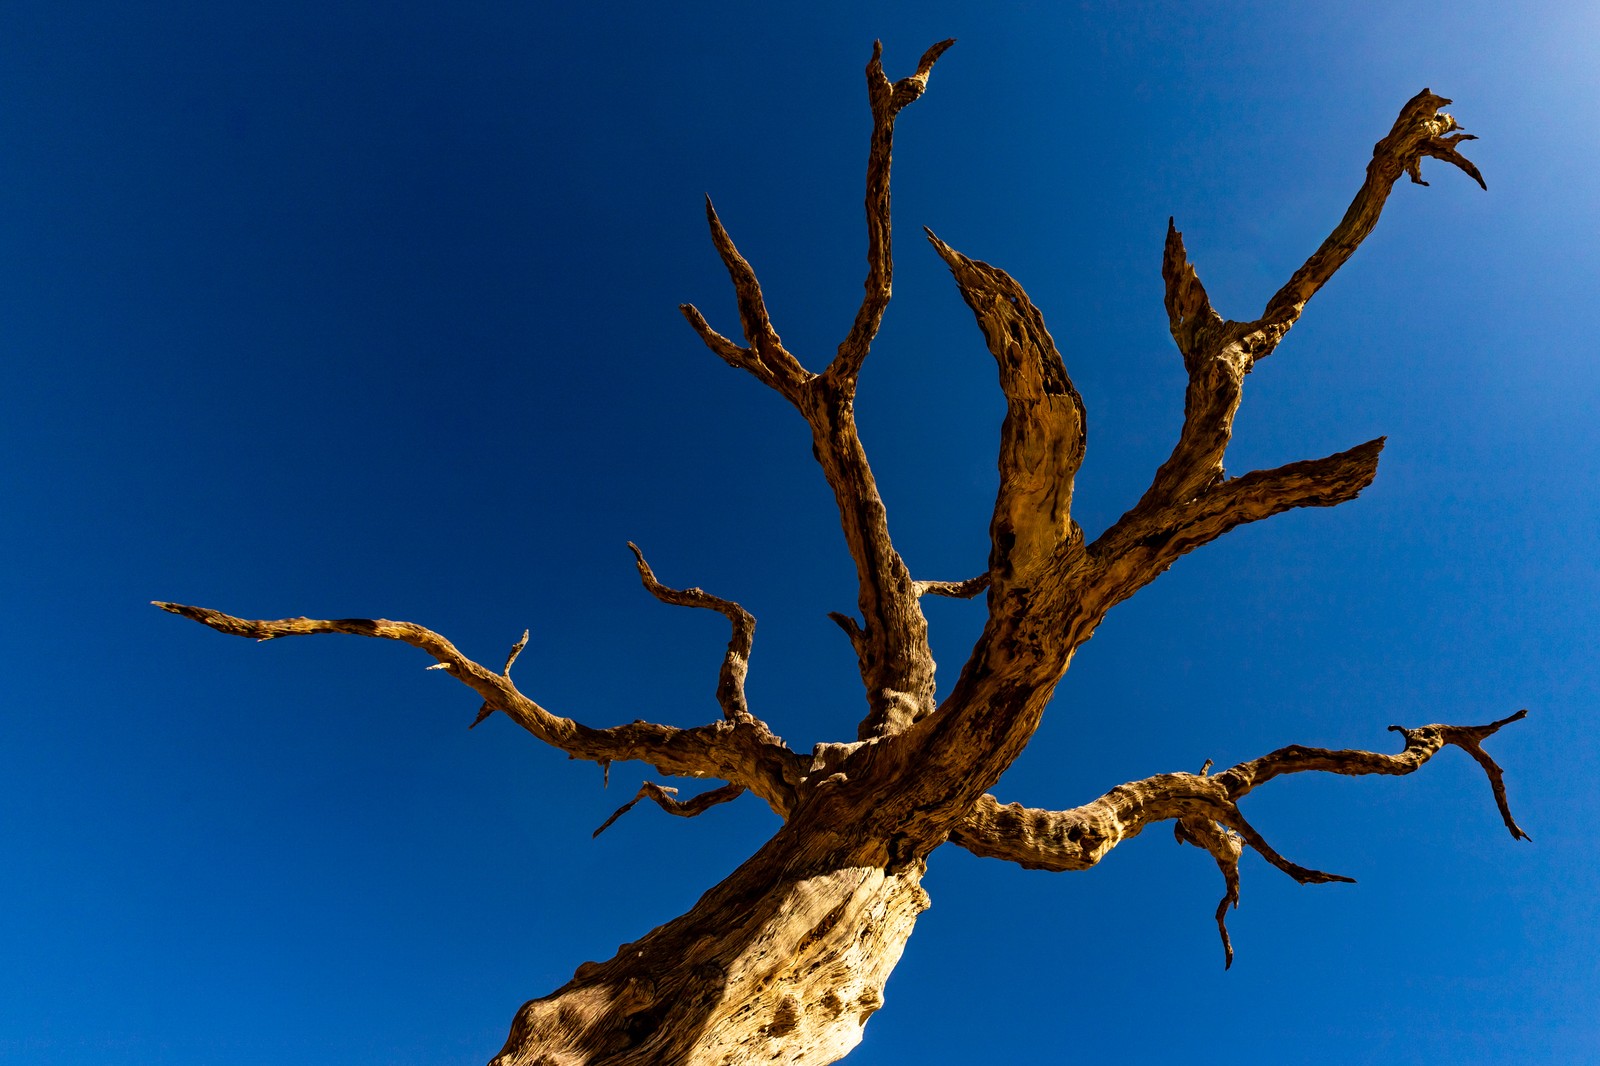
x=371, y=310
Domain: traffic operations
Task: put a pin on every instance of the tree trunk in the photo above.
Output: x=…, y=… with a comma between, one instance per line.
x=783, y=962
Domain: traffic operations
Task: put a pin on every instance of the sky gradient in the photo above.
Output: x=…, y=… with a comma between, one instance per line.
x=371, y=310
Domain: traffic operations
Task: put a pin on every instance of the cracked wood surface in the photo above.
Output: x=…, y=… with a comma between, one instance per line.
x=787, y=958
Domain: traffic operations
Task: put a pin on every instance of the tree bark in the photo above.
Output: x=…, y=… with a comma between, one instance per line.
x=787, y=958
x=782, y=962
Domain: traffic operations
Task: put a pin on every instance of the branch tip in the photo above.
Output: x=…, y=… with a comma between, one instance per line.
x=848, y=624
x=516, y=650
x=931, y=56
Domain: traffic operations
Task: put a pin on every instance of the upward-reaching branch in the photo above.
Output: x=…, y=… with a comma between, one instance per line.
x=887, y=100
x=1218, y=353
x=1043, y=437
x=765, y=357
x=1420, y=130
x=891, y=641
x=1047, y=592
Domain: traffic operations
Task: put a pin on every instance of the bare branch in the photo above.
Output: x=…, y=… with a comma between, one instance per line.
x=516, y=650
x=663, y=796
x=736, y=663
x=730, y=353
x=1304, y=875
x=741, y=752
x=850, y=627
x=1141, y=544
x=1422, y=744
x=766, y=357
x=887, y=101
x=956, y=590
x=1206, y=809
x=891, y=644
x=1189, y=309
x=1226, y=848
x=1043, y=437
x=1216, y=364
x=1218, y=353
x=1419, y=131
x=1470, y=740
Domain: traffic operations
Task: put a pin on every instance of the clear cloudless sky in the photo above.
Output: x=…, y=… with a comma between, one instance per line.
x=371, y=309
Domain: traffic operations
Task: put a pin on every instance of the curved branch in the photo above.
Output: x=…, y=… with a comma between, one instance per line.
x=663, y=797
x=891, y=643
x=742, y=752
x=1216, y=363
x=736, y=663
x=729, y=352
x=1206, y=809
x=1422, y=743
x=1043, y=438
x=1420, y=130
x=1189, y=311
x=1219, y=353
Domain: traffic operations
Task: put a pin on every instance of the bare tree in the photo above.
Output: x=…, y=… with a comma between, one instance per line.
x=787, y=958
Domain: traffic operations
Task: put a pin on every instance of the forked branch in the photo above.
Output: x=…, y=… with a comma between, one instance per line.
x=1190, y=499
x=736, y=663
x=1143, y=543
x=891, y=640
x=744, y=753
x=887, y=100
x=765, y=356
x=1206, y=809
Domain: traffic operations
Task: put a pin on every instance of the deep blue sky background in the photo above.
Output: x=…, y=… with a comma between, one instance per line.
x=371, y=310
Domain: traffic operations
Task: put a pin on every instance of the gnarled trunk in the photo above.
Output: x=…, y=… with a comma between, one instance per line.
x=783, y=962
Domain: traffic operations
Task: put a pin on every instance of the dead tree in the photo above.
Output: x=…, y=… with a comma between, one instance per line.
x=786, y=959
